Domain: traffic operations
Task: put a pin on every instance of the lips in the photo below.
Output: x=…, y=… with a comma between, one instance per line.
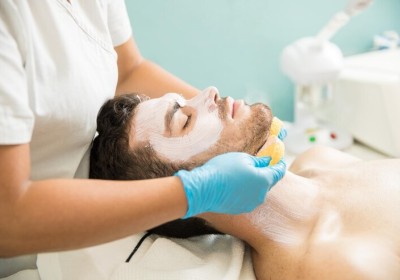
x=230, y=106
x=236, y=105
x=233, y=106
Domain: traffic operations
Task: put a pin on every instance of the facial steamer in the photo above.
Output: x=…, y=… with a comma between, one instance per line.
x=312, y=63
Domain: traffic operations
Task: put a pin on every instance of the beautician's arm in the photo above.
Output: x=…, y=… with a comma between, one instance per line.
x=63, y=214
x=139, y=75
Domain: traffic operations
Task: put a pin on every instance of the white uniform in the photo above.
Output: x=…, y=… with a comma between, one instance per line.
x=57, y=67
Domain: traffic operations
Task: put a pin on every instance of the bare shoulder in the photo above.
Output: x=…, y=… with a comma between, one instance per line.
x=320, y=157
x=350, y=258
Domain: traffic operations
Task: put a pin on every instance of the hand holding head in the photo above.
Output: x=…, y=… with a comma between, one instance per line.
x=231, y=183
x=274, y=147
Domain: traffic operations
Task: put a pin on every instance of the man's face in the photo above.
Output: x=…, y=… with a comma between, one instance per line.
x=200, y=128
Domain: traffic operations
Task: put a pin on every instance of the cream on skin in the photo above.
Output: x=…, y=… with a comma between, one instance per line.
x=178, y=139
x=339, y=222
x=286, y=214
x=314, y=220
x=173, y=138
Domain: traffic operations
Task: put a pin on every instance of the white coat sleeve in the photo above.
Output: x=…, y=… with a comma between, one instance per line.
x=118, y=22
x=16, y=117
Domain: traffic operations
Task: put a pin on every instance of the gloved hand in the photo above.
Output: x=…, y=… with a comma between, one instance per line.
x=282, y=134
x=231, y=183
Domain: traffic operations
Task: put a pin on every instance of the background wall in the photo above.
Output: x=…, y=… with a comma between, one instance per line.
x=235, y=44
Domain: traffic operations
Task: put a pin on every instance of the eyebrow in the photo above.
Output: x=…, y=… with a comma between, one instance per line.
x=170, y=114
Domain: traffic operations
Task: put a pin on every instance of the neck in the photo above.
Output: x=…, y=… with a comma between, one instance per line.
x=286, y=216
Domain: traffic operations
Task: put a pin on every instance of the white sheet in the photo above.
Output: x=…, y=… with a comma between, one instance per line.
x=207, y=257
x=27, y=274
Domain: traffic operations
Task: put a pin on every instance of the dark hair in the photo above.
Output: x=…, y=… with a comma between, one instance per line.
x=111, y=157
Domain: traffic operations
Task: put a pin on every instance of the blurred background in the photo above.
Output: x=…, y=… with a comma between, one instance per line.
x=235, y=45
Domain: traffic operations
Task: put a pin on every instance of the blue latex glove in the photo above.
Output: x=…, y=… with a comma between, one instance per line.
x=282, y=134
x=231, y=183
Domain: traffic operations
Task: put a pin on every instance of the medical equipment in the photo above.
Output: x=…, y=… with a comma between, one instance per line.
x=274, y=147
x=313, y=63
x=366, y=100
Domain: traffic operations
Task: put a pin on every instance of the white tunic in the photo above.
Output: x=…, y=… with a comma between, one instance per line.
x=57, y=67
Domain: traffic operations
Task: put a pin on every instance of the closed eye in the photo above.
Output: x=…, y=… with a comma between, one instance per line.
x=187, y=123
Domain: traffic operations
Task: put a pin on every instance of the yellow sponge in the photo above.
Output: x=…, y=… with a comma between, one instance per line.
x=274, y=147
x=276, y=127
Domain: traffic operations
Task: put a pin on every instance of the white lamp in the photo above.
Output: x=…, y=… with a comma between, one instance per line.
x=312, y=63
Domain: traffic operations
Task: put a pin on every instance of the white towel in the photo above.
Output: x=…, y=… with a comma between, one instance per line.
x=205, y=257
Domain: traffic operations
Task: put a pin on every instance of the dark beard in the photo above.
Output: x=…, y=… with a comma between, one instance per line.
x=255, y=130
x=258, y=129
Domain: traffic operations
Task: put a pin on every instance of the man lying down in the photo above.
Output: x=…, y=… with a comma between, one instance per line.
x=331, y=217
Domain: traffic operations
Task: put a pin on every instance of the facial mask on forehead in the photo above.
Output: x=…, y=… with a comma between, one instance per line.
x=150, y=118
x=151, y=125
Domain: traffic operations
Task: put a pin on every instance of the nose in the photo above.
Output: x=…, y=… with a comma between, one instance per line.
x=211, y=93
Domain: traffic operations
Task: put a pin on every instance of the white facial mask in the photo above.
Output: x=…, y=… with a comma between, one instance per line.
x=286, y=215
x=150, y=125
